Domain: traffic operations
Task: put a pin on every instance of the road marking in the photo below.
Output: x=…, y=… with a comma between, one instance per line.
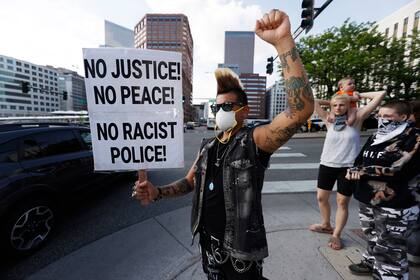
x=289, y=186
x=284, y=148
x=286, y=155
x=294, y=166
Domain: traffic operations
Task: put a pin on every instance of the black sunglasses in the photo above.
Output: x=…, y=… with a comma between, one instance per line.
x=227, y=106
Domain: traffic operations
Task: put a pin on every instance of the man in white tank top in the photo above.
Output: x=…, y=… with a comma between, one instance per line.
x=341, y=146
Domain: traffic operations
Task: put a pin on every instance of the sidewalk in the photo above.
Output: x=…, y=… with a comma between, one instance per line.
x=159, y=248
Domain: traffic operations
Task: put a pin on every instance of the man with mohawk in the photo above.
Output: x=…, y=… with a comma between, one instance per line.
x=228, y=174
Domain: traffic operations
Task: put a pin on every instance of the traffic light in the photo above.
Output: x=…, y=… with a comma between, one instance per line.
x=307, y=15
x=64, y=95
x=270, y=64
x=25, y=87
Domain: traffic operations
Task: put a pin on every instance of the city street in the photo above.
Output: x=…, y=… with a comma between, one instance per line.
x=292, y=169
x=99, y=92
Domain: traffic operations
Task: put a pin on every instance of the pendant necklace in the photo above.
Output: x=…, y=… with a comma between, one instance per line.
x=217, y=163
x=219, y=158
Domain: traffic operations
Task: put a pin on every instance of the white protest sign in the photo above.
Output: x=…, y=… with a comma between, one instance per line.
x=135, y=108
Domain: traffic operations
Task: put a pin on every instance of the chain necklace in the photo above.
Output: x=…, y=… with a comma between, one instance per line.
x=219, y=158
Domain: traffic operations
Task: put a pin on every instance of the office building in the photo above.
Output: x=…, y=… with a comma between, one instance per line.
x=254, y=86
x=72, y=85
x=27, y=89
x=239, y=57
x=401, y=22
x=170, y=32
x=118, y=36
x=233, y=67
x=276, y=99
x=239, y=50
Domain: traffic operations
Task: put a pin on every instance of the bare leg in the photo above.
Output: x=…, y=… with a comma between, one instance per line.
x=340, y=218
x=324, y=206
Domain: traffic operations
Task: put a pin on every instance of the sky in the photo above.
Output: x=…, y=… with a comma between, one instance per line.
x=53, y=32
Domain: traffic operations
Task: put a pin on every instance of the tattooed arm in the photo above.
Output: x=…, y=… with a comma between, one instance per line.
x=274, y=28
x=146, y=192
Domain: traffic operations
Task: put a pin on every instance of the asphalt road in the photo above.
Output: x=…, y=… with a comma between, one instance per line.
x=112, y=209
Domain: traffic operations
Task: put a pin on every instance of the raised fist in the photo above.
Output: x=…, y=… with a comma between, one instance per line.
x=273, y=27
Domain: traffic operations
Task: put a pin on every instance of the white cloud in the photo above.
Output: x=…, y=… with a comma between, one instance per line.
x=209, y=19
x=54, y=32
x=48, y=32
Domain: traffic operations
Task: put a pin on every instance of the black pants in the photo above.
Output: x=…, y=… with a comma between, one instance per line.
x=218, y=266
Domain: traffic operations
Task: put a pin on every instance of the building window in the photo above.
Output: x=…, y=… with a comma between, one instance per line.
x=18, y=69
x=18, y=63
x=416, y=20
x=405, y=26
x=394, y=35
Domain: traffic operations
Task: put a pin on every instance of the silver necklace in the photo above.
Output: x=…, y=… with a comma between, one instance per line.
x=219, y=159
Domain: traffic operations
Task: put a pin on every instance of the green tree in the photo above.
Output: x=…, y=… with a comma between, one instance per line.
x=401, y=71
x=360, y=51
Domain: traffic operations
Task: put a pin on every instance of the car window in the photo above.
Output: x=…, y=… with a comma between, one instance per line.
x=50, y=144
x=86, y=138
x=8, y=152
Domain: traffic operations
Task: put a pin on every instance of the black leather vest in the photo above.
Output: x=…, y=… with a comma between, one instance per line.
x=243, y=177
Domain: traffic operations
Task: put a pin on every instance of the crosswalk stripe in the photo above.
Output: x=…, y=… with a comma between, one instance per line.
x=284, y=148
x=289, y=186
x=293, y=166
x=286, y=155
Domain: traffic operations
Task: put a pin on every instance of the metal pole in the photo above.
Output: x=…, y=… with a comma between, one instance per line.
x=299, y=30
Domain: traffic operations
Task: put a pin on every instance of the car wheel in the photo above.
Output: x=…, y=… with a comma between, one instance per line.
x=28, y=226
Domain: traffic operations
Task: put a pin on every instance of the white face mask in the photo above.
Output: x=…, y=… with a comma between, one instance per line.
x=226, y=120
x=386, y=126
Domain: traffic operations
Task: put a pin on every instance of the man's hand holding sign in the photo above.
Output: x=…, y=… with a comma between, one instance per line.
x=144, y=191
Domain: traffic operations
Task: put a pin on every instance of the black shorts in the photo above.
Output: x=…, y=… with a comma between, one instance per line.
x=328, y=175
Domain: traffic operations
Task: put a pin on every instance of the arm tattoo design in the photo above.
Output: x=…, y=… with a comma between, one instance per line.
x=296, y=88
x=177, y=188
x=293, y=53
x=281, y=135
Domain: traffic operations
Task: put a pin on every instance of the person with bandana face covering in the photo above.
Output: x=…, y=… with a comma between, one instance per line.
x=341, y=146
x=413, y=230
x=382, y=172
x=228, y=174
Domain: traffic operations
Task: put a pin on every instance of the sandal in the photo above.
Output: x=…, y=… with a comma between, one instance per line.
x=321, y=229
x=335, y=243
